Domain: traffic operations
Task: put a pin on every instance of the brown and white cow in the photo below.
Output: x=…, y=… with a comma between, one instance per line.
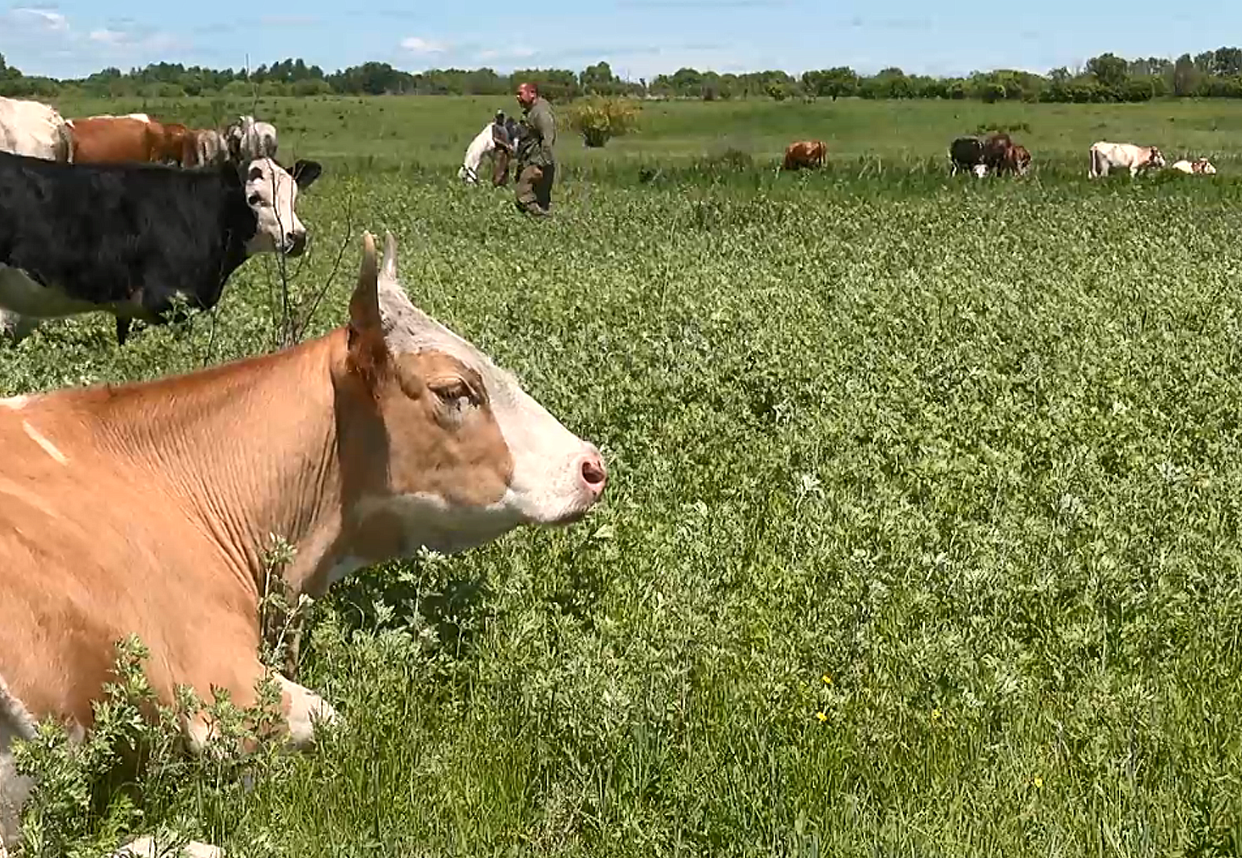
x=205, y=146
x=34, y=129
x=146, y=508
x=115, y=139
x=1017, y=160
x=248, y=138
x=804, y=153
x=1198, y=167
x=1106, y=156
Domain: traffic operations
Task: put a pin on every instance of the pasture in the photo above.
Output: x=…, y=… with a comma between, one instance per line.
x=922, y=536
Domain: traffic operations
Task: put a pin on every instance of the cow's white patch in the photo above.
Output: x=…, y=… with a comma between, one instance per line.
x=48, y=447
x=17, y=403
x=16, y=722
x=306, y=708
x=24, y=302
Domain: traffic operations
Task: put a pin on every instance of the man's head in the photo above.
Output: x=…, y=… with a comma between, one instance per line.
x=526, y=94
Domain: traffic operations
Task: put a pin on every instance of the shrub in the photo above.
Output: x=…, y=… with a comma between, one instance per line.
x=598, y=120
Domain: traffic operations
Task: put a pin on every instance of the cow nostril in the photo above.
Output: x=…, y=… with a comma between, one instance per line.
x=594, y=473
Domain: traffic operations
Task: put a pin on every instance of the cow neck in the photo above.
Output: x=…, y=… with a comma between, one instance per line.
x=248, y=448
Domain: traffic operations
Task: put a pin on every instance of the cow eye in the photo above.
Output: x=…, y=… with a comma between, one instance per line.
x=255, y=200
x=454, y=391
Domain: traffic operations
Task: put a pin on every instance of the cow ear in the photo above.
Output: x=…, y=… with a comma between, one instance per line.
x=364, y=311
x=388, y=267
x=254, y=174
x=305, y=173
x=393, y=301
x=368, y=352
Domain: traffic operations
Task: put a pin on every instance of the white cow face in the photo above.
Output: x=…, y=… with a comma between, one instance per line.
x=457, y=453
x=271, y=193
x=1157, y=158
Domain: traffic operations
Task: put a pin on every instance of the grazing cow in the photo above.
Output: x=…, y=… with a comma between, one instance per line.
x=205, y=146
x=34, y=129
x=248, y=139
x=174, y=143
x=804, y=153
x=1017, y=160
x=147, y=508
x=996, y=153
x=1199, y=166
x=1105, y=156
x=130, y=238
x=966, y=153
x=114, y=139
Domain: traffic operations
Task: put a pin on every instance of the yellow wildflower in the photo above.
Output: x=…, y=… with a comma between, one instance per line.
x=827, y=679
x=936, y=713
x=821, y=716
x=1039, y=782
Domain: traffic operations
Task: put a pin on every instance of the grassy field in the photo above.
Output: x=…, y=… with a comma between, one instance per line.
x=431, y=133
x=922, y=536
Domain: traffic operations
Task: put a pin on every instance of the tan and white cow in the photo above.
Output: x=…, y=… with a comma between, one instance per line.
x=34, y=129
x=1198, y=167
x=146, y=508
x=1106, y=156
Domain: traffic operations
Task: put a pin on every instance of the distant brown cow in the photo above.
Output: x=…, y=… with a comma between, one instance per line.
x=804, y=153
x=110, y=139
x=1017, y=160
x=996, y=148
x=174, y=142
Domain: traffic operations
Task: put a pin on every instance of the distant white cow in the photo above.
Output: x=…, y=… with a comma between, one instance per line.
x=483, y=143
x=249, y=139
x=1105, y=156
x=1199, y=166
x=34, y=129
x=210, y=147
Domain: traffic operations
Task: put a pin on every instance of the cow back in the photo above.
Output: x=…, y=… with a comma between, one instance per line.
x=122, y=232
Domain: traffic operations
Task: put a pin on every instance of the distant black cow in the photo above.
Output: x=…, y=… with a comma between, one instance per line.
x=966, y=153
x=131, y=239
x=979, y=155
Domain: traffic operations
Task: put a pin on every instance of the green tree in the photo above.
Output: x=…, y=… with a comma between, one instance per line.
x=1186, y=77
x=1109, y=70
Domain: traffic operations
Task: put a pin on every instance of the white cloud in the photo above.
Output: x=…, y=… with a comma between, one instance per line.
x=108, y=37
x=50, y=18
x=418, y=45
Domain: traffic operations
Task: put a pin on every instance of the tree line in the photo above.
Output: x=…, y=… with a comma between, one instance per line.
x=1105, y=78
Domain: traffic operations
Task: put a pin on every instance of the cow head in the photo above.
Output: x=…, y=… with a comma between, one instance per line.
x=452, y=452
x=271, y=193
x=1204, y=166
x=1154, y=157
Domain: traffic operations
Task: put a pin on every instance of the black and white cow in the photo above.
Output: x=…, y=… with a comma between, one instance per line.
x=131, y=239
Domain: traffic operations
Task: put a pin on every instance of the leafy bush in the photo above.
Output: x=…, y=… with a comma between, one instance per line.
x=598, y=120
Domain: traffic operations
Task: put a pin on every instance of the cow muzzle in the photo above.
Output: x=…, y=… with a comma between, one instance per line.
x=295, y=245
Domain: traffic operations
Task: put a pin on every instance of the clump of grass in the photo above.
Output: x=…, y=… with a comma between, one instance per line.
x=600, y=118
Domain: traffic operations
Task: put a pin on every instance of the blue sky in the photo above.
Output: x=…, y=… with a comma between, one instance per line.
x=639, y=38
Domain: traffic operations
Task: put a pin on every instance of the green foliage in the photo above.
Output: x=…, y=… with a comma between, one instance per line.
x=599, y=120
x=1107, y=78
x=132, y=771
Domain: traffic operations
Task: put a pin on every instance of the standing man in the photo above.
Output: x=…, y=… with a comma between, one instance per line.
x=536, y=165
